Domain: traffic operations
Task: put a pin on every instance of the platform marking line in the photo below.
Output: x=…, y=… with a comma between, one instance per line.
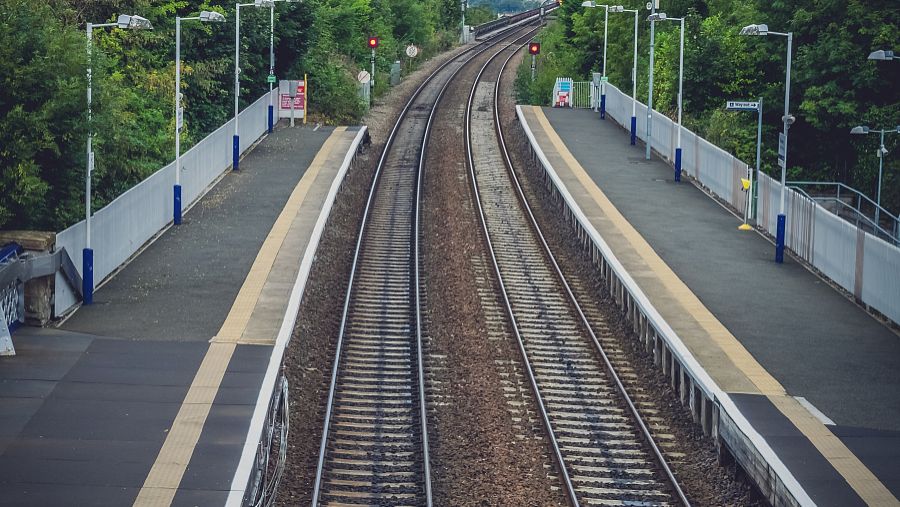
x=165, y=476
x=847, y=464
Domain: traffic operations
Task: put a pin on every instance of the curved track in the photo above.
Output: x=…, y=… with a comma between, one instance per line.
x=374, y=447
x=603, y=449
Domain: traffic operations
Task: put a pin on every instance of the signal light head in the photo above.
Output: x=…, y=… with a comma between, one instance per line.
x=534, y=48
x=373, y=42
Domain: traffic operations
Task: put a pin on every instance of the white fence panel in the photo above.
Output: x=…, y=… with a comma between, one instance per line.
x=816, y=235
x=120, y=228
x=881, y=277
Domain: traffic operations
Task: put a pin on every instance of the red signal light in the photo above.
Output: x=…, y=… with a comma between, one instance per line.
x=373, y=42
x=534, y=48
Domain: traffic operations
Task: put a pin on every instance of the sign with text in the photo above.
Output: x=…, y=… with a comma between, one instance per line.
x=741, y=105
x=284, y=94
x=782, y=148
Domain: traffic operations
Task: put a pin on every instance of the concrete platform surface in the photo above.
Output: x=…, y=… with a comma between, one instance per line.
x=766, y=333
x=146, y=397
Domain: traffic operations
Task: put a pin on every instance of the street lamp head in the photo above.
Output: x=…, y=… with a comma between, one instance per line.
x=264, y=3
x=589, y=3
x=617, y=8
x=211, y=17
x=859, y=130
x=881, y=54
x=657, y=16
x=755, y=30
x=133, y=22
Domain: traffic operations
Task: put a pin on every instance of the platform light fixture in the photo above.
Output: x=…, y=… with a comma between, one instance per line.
x=593, y=4
x=787, y=120
x=661, y=16
x=882, y=54
x=621, y=9
x=127, y=22
x=204, y=17
x=236, y=139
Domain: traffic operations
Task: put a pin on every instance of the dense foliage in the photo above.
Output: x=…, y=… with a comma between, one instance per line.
x=833, y=85
x=43, y=120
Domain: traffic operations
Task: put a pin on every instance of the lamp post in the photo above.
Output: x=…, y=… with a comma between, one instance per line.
x=236, y=140
x=87, y=254
x=204, y=17
x=271, y=78
x=787, y=120
x=620, y=9
x=661, y=16
x=592, y=4
x=653, y=6
x=882, y=151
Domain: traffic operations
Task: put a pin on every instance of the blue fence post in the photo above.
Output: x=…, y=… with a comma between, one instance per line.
x=87, y=275
x=633, y=130
x=235, y=152
x=176, y=212
x=677, y=164
x=271, y=117
x=603, y=106
x=779, y=240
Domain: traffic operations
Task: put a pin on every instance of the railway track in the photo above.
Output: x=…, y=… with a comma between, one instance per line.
x=374, y=446
x=604, y=451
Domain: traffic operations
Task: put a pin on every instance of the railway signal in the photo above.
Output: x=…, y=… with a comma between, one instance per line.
x=534, y=49
x=373, y=43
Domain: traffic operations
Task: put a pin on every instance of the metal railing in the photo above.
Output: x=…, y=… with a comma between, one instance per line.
x=853, y=206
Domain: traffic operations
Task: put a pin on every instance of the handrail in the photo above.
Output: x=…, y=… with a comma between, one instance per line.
x=893, y=234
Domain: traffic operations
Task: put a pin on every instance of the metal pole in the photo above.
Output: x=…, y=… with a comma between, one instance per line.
x=236, y=140
x=87, y=254
x=634, y=83
x=462, y=26
x=680, y=95
x=650, y=90
x=533, y=63
x=176, y=210
x=754, y=191
x=602, y=81
x=373, y=71
x=880, y=167
x=782, y=219
x=271, y=63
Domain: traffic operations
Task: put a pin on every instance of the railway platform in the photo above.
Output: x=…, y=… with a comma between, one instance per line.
x=812, y=379
x=156, y=393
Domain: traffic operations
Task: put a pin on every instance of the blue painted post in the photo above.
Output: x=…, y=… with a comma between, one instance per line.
x=177, y=205
x=603, y=104
x=236, y=152
x=633, y=130
x=87, y=277
x=779, y=239
x=271, y=116
x=677, y=164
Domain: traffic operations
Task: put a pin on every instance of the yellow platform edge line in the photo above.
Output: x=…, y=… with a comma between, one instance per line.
x=165, y=475
x=857, y=475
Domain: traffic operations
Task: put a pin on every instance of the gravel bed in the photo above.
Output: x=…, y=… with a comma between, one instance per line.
x=310, y=354
x=487, y=445
x=704, y=480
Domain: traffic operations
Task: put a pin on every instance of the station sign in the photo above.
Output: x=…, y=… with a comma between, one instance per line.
x=741, y=105
x=299, y=99
x=782, y=149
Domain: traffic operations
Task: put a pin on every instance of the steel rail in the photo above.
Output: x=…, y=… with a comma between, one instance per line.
x=475, y=50
x=573, y=300
x=545, y=418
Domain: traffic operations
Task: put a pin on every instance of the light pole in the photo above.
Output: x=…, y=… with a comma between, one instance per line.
x=620, y=8
x=650, y=81
x=87, y=254
x=205, y=17
x=661, y=16
x=882, y=151
x=787, y=120
x=271, y=78
x=593, y=4
x=236, y=140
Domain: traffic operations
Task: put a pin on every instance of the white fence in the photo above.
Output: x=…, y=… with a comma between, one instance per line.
x=861, y=263
x=124, y=225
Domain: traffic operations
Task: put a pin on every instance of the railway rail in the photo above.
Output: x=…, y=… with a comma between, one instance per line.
x=604, y=451
x=374, y=446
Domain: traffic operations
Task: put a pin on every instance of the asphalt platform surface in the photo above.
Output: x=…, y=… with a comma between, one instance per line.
x=84, y=409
